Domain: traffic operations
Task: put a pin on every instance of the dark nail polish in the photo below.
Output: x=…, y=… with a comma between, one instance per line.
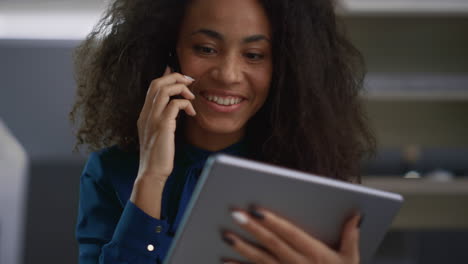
x=253, y=211
x=228, y=240
x=360, y=221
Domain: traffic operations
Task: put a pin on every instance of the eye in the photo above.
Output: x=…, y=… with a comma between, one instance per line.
x=254, y=56
x=204, y=50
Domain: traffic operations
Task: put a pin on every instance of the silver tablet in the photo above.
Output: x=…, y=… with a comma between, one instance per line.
x=318, y=205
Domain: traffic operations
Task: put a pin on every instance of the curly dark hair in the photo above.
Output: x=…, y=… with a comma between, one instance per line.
x=312, y=120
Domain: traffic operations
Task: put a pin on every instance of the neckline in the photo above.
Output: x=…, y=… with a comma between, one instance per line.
x=196, y=154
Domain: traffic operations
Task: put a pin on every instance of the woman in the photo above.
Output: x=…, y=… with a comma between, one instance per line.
x=274, y=81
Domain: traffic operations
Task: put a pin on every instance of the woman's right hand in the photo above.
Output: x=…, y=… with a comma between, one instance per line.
x=157, y=123
x=156, y=132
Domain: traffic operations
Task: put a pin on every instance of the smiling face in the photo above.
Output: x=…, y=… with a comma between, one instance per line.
x=225, y=46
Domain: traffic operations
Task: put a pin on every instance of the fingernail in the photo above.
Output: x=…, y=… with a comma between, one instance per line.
x=253, y=211
x=239, y=217
x=225, y=261
x=228, y=240
x=189, y=78
x=361, y=219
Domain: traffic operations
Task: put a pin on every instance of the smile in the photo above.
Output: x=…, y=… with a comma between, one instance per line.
x=227, y=101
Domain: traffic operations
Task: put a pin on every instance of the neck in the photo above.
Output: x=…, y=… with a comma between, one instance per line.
x=200, y=138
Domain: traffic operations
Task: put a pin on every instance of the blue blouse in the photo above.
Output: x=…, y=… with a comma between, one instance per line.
x=110, y=228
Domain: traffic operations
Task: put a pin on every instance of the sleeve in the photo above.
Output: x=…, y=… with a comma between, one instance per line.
x=106, y=234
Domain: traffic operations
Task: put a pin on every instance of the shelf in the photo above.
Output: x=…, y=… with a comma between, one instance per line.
x=402, y=7
x=418, y=186
x=73, y=20
x=428, y=205
x=416, y=86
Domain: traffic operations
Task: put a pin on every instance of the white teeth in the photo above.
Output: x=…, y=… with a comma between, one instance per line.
x=223, y=101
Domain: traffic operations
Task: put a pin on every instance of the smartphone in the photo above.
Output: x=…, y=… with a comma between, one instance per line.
x=173, y=62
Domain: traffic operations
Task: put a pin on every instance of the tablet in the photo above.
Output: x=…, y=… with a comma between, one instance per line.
x=318, y=205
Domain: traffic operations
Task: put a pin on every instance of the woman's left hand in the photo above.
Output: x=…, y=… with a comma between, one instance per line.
x=282, y=242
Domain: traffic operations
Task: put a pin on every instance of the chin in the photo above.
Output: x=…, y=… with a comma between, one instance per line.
x=220, y=125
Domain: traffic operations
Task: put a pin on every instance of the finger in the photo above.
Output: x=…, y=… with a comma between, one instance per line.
x=350, y=239
x=167, y=71
x=247, y=250
x=167, y=120
x=167, y=79
x=173, y=108
x=225, y=261
x=166, y=124
x=155, y=86
x=294, y=236
x=171, y=78
x=230, y=261
x=161, y=100
x=267, y=238
x=176, y=89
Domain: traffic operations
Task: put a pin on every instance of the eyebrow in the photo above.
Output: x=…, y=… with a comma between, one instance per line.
x=219, y=36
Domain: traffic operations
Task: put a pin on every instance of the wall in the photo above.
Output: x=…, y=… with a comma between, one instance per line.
x=37, y=90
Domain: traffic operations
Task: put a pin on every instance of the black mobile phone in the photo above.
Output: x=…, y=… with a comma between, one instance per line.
x=173, y=62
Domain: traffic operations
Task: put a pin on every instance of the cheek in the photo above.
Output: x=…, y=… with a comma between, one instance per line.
x=262, y=82
x=192, y=66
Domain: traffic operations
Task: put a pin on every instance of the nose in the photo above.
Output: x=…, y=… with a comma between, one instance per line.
x=228, y=70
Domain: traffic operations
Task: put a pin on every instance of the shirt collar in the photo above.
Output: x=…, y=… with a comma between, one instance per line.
x=196, y=154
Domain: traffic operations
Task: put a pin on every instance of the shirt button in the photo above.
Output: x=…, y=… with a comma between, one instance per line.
x=150, y=247
x=158, y=229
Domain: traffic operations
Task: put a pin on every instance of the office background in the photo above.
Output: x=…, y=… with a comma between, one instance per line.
x=416, y=96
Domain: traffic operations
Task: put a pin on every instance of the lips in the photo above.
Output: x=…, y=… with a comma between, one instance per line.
x=222, y=103
x=223, y=99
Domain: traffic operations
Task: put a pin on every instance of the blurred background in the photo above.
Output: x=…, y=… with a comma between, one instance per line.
x=416, y=96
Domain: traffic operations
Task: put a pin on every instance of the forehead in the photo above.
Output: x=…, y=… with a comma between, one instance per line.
x=230, y=17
